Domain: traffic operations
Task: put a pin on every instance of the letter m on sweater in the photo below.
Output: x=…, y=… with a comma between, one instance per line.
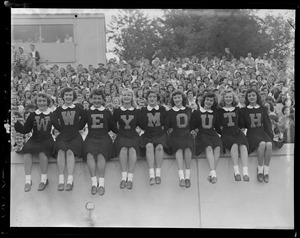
x=68, y=117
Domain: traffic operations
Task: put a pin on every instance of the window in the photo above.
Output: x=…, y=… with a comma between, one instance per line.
x=42, y=33
x=26, y=34
x=56, y=33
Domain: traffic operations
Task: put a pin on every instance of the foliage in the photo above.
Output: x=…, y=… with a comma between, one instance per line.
x=186, y=32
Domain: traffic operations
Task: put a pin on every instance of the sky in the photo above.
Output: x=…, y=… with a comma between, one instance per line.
x=152, y=13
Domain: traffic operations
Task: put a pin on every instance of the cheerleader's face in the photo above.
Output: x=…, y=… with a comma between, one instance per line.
x=177, y=100
x=41, y=103
x=127, y=97
x=252, y=97
x=152, y=99
x=228, y=98
x=208, y=102
x=68, y=97
x=97, y=100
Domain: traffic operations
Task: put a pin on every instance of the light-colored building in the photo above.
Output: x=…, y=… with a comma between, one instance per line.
x=62, y=38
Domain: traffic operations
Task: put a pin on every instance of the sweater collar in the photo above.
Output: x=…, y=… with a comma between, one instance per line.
x=101, y=108
x=38, y=111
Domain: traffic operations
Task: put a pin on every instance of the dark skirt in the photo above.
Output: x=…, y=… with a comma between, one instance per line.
x=97, y=146
x=162, y=140
x=180, y=142
x=255, y=136
x=121, y=142
x=238, y=138
x=74, y=145
x=35, y=147
x=203, y=141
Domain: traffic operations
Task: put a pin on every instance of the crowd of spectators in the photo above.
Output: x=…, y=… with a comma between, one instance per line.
x=192, y=75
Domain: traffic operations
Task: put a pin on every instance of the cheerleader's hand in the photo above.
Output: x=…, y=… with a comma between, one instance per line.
x=118, y=126
x=21, y=120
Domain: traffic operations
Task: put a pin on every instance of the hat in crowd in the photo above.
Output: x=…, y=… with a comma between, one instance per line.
x=101, y=64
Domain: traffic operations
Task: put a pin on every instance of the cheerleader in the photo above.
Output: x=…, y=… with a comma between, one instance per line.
x=97, y=146
x=40, y=143
x=255, y=118
x=204, y=120
x=233, y=138
x=127, y=142
x=69, y=142
x=181, y=140
x=154, y=138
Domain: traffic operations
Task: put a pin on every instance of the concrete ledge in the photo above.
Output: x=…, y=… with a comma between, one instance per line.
x=286, y=149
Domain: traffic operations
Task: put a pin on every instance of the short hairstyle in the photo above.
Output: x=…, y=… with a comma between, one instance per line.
x=222, y=98
x=152, y=91
x=190, y=90
x=97, y=91
x=177, y=92
x=258, y=101
x=285, y=107
x=209, y=95
x=133, y=99
x=67, y=89
x=44, y=95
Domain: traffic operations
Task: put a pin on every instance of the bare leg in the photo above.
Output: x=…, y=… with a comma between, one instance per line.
x=101, y=164
x=91, y=164
x=132, y=159
x=70, y=162
x=28, y=163
x=43, y=162
x=123, y=159
x=210, y=158
x=234, y=154
x=268, y=153
x=179, y=159
x=261, y=153
x=159, y=153
x=150, y=155
x=188, y=158
x=61, y=161
x=217, y=155
x=244, y=155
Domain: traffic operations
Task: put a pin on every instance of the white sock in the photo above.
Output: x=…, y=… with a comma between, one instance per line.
x=124, y=175
x=157, y=172
x=43, y=178
x=28, y=179
x=260, y=169
x=130, y=177
x=101, y=182
x=70, y=179
x=181, y=174
x=266, y=169
x=236, y=169
x=187, y=173
x=213, y=173
x=245, y=170
x=61, y=178
x=94, y=181
x=151, y=173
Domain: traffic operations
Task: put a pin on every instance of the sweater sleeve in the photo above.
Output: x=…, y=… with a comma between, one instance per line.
x=28, y=125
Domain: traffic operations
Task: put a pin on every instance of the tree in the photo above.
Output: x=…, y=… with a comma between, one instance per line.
x=133, y=33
